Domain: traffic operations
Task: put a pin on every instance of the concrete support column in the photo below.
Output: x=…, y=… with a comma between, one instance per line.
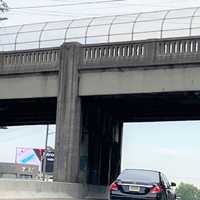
x=104, y=142
x=116, y=151
x=68, y=121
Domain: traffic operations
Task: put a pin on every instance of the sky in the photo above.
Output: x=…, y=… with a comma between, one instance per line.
x=171, y=146
x=85, y=9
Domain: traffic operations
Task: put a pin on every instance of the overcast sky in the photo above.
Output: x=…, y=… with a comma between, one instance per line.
x=171, y=147
x=71, y=11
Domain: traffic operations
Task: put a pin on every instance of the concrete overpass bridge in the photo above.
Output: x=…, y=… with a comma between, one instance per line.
x=89, y=90
x=94, y=89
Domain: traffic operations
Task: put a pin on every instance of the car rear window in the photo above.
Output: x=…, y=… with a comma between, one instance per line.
x=139, y=176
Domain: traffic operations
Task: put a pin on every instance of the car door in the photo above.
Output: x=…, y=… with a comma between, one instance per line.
x=169, y=191
x=164, y=195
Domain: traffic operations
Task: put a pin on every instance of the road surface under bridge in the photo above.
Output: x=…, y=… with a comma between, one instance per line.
x=89, y=91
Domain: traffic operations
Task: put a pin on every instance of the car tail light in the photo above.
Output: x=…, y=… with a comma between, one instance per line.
x=156, y=189
x=114, y=187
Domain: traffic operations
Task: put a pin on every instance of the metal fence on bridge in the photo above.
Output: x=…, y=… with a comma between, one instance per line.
x=129, y=27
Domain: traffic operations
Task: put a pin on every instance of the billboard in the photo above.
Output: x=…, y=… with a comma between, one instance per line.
x=34, y=156
x=29, y=156
x=50, y=157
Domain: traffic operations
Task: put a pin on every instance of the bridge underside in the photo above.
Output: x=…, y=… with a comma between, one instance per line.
x=150, y=107
x=27, y=111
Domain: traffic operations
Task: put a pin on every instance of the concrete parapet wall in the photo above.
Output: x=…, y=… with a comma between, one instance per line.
x=29, y=61
x=155, y=52
x=96, y=192
x=29, y=189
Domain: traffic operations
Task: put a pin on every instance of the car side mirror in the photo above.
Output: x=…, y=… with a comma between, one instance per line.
x=173, y=184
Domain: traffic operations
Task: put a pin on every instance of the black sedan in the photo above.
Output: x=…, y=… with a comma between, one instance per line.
x=139, y=184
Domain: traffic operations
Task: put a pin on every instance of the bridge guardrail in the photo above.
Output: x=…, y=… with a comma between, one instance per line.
x=29, y=60
x=109, y=55
x=142, y=53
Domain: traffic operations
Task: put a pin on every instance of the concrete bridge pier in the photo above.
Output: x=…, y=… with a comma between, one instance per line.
x=104, y=143
x=88, y=137
x=68, y=121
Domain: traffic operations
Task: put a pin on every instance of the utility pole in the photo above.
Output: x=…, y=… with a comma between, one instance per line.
x=45, y=153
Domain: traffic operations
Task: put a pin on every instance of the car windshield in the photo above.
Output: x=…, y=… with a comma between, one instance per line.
x=139, y=176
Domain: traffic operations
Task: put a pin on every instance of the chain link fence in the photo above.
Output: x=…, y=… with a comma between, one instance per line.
x=129, y=27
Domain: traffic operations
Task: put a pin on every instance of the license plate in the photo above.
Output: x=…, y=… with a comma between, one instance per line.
x=134, y=188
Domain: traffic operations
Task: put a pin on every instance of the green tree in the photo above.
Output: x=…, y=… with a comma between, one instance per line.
x=188, y=192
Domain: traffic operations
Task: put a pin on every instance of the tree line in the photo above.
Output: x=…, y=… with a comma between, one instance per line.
x=187, y=192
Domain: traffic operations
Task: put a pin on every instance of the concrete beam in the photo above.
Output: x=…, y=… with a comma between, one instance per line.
x=104, y=143
x=133, y=81
x=28, y=85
